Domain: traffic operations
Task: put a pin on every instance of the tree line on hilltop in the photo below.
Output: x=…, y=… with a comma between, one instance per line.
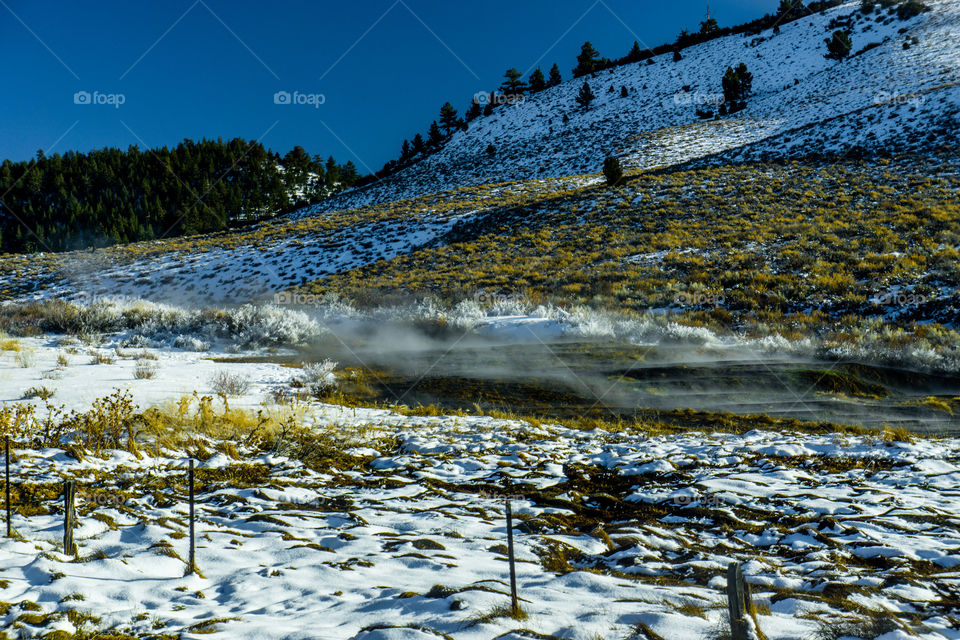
x=110, y=196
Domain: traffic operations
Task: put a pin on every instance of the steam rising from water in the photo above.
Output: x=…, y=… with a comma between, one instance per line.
x=629, y=367
x=547, y=360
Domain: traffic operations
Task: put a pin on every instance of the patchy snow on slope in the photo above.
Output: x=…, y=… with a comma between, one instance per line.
x=231, y=274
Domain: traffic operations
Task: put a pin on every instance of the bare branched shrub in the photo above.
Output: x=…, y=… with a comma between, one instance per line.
x=229, y=384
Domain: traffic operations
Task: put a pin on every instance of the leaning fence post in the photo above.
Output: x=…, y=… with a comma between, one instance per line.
x=738, y=602
x=69, y=516
x=514, y=601
x=6, y=457
x=192, y=564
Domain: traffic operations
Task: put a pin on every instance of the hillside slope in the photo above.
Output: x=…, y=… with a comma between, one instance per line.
x=886, y=97
x=899, y=99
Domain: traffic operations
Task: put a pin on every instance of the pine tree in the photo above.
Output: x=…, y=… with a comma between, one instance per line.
x=537, y=81
x=555, y=77
x=475, y=110
x=709, y=25
x=513, y=85
x=788, y=6
x=731, y=86
x=405, y=150
x=585, y=97
x=612, y=171
x=746, y=80
x=636, y=53
x=588, y=61
x=838, y=46
x=418, y=144
x=624, y=92
x=333, y=173
x=448, y=119
x=349, y=175
x=434, y=137
x=676, y=55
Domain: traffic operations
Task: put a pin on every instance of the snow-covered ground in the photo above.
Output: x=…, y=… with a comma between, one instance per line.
x=242, y=272
x=407, y=541
x=86, y=373
x=402, y=534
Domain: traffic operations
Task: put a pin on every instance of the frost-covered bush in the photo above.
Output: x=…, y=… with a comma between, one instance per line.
x=333, y=306
x=145, y=370
x=189, y=343
x=259, y=326
x=136, y=341
x=510, y=305
x=98, y=317
x=316, y=378
x=466, y=315
x=249, y=326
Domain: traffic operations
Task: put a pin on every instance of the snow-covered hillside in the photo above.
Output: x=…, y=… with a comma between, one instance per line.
x=888, y=96
x=902, y=95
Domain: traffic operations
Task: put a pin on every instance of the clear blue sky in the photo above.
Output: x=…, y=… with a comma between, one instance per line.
x=210, y=68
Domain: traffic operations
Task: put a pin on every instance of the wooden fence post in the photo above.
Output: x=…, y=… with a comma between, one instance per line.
x=192, y=564
x=514, y=601
x=738, y=602
x=6, y=450
x=69, y=516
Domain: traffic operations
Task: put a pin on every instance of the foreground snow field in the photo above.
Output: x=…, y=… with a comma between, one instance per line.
x=401, y=532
